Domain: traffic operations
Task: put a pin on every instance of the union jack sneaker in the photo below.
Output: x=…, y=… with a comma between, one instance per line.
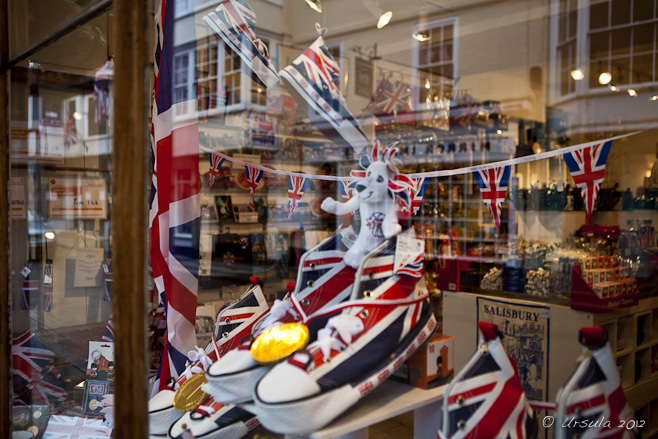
x=212, y=420
x=234, y=322
x=486, y=400
x=234, y=21
x=323, y=282
x=387, y=318
x=592, y=403
x=312, y=79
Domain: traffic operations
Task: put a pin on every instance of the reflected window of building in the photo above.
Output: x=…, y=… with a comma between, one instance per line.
x=436, y=59
x=567, y=40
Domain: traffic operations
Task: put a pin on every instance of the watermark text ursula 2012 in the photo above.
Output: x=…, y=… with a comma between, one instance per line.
x=574, y=422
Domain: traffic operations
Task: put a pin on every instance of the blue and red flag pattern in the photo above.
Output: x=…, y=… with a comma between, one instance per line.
x=253, y=179
x=493, y=184
x=215, y=166
x=393, y=99
x=296, y=188
x=587, y=167
x=48, y=287
x=418, y=193
x=175, y=207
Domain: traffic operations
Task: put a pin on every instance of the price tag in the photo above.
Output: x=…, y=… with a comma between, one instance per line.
x=407, y=251
x=47, y=279
x=26, y=271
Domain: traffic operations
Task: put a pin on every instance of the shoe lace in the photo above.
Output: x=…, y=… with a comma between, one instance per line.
x=277, y=313
x=200, y=362
x=338, y=333
x=262, y=48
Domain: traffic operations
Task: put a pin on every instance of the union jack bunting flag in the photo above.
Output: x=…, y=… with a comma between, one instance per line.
x=215, y=166
x=485, y=400
x=48, y=287
x=493, y=187
x=587, y=167
x=174, y=205
x=29, y=357
x=70, y=132
x=253, y=178
x=593, y=395
x=29, y=286
x=296, y=188
x=464, y=113
x=418, y=193
x=108, y=333
x=108, y=280
x=393, y=100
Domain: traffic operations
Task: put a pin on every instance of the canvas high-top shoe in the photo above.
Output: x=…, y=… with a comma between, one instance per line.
x=212, y=420
x=234, y=21
x=386, y=319
x=313, y=79
x=234, y=322
x=486, y=400
x=323, y=281
x=592, y=403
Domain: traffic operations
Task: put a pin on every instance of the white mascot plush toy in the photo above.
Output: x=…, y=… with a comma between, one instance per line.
x=375, y=199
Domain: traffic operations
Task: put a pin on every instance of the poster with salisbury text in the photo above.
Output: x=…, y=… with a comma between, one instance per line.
x=525, y=337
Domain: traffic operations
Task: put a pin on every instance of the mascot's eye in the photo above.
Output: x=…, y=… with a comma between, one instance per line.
x=380, y=179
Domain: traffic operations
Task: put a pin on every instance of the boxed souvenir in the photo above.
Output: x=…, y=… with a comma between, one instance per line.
x=431, y=365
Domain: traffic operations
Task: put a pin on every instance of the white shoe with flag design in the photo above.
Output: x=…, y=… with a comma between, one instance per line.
x=323, y=282
x=592, y=404
x=234, y=21
x=234, y=322
x=313, y=79
x=486, y=399
x=212, y=420
x=387, y=318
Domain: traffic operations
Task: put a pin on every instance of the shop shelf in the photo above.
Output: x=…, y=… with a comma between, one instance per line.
x=642, y=365
x=626, y=368
x=643, y=335
x=625, y=333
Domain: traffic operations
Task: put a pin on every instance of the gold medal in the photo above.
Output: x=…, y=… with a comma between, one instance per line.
x=189, y=395
x=37, y=414
x=279, y=342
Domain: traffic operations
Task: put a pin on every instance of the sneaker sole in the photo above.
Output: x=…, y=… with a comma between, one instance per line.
x=299, y=87
x=267, y=75
x=159, y=421
x=234, y=388
x=319, y=410
x=233, y=431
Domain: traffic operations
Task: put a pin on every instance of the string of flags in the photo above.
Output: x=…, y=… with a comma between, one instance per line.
x=586, y=163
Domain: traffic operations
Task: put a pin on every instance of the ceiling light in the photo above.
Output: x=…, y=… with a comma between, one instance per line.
x=384, y=19
x=77, y=116
x=421, y=36
x=613, y=88
x=49, y=235
x=632, y=92
x=605, y=78
x=427, y=84
x=577, y=74
x=653, y=98
x=316, y=5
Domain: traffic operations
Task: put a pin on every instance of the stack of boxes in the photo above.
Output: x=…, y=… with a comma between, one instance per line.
x=607, y=277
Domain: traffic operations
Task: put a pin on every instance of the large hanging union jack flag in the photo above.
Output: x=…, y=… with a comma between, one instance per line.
x=296, y=188
x=418, y=192
x=393, y=99
x=253, y=179
x=215, y=166
x=587, y=167
x=175, y=208
x=493, y=187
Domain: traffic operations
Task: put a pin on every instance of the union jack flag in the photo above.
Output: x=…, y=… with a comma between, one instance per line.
x=296, y=188
x=413, y=268
x=29, y=286
x=108, y=280
x=393, y=99
x=174, y=204
x=493, y=187
x=253, y=178
x=74, y=427
x=49, y=389
x=418, y=193
x=345, y=193
x=70, y=132
x=465, y=112
x=108, y=333
x=485, y=400
x=48, y=287
x=321, y=68
x=593, y=393
x=30, y=356
x=587, y=167
x=215, y=166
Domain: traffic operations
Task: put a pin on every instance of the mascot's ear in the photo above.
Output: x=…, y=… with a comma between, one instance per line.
x=352, y=185
x=404, y=196
x=390, y=193
x=364, y=162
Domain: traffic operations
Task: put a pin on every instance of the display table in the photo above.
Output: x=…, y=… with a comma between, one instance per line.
x=391, y=399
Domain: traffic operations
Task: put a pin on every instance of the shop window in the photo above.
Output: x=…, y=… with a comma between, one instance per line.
x=436, y=59
x=183, y=80
x=566, y=52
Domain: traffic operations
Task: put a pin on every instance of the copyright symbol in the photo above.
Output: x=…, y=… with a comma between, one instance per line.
x=548, y=421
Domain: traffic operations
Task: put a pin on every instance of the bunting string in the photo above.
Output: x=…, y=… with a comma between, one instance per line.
x=441, y=173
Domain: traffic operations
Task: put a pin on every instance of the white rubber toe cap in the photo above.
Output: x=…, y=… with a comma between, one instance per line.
x=285, y=383
x=162, y=400
x=234, y=361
